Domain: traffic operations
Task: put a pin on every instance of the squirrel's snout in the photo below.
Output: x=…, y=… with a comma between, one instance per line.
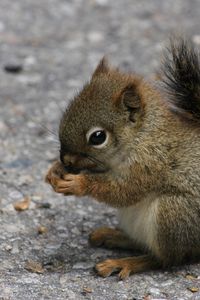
x=69, y=160
x=76, y=163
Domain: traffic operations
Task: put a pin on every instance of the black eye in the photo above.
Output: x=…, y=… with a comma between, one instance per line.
x=97, y=138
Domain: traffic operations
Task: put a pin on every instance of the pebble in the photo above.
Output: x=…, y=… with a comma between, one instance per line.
x=8, y=208
x=154, y=291
x=42, y=229
x=43, y=205
x=95, y=36
x=83, y=265
x=13, y=68
x=29, y=61
x=75, y=231
x=31, y=80
x=8, y=247
x=196, y=39
x=15, y=247
x=38, y=198
x=98, y=254
x=15, y=195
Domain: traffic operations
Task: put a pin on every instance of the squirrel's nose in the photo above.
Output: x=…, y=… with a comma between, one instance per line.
x=69, y=160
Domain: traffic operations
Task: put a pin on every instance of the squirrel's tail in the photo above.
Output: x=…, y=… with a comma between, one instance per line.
x=181, y=70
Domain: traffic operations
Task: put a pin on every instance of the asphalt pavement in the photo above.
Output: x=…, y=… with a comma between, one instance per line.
x=48, y=50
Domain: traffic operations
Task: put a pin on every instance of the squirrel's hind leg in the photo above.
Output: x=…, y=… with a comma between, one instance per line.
x=126, y=266
x=110, y=238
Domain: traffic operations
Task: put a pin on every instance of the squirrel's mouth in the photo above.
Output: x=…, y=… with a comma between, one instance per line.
x=75, y=170
x=82, y=163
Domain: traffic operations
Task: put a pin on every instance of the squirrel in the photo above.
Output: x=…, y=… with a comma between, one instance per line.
x=136, y=147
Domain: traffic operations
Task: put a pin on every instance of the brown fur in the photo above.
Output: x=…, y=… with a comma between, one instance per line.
x=110, y=238
x=151, y=151
x=126, y=266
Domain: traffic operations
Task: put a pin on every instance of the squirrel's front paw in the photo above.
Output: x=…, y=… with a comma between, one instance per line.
x=56, y=170
x=70, y=184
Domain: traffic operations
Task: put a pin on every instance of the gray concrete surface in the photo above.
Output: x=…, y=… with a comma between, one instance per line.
x=58, y=43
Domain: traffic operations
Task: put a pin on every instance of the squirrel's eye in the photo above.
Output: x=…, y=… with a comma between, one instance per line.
x=97, y=137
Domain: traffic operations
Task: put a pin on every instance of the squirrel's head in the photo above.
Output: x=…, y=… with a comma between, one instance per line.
x=101, y=121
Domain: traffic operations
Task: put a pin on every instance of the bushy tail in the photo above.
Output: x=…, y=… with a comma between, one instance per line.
x=181, y=70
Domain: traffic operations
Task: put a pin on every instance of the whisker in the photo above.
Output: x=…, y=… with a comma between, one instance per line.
x=48, y=130
x=95, y=160
x=45, y=128
x=61, y=108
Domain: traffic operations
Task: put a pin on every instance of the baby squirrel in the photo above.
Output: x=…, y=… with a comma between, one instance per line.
x=136, y=148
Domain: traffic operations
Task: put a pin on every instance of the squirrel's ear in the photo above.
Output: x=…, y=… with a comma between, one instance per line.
x=103, y=67
x=130, y=99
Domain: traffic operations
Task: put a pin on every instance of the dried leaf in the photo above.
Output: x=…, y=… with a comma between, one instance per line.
x=22, y=205
x=87, y=290
x=190, y=276
x=42, y=229
x=193, y=289
x=34, y=266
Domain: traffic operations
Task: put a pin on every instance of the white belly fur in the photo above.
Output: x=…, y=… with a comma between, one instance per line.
x=139, y=222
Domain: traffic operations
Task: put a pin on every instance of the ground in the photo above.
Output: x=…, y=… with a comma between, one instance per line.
x=48, y=49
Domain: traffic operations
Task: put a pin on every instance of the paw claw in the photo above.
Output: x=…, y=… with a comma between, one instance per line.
x=103, y=236
x=124, y=273
x=105, y=268
x=126, y=266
